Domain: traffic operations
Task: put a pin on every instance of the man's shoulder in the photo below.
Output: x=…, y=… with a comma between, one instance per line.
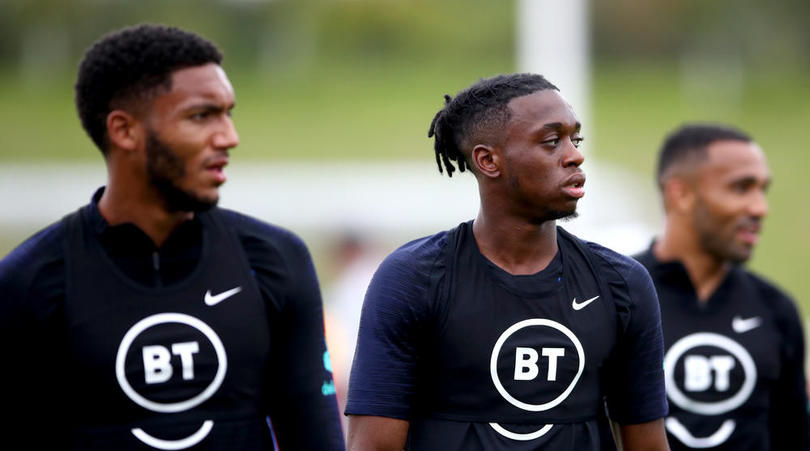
x=771, y=295
x=258, y=234
x=614, y=263
x=39, y=249
x=410, y=270
x=420, y=251
x=36, y=264
x=628, y=280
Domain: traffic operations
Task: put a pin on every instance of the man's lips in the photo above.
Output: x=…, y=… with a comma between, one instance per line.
x=574, y=185
x=749, y=232
x=216, y=167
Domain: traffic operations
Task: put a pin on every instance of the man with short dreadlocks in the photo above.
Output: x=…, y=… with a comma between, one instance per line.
x=507, y=332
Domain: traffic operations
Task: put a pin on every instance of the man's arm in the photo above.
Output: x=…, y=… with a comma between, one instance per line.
x=311, y=404
x=650, y=436
x=369, y=433
x=634, y=377
x=301, y=401
x=788, y=413
x=32, y=290
x=382, y=386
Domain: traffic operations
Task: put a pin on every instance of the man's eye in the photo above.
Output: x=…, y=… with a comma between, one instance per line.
x=200, y=116
x=577, y=141
x=742, y=187
x=551, y=142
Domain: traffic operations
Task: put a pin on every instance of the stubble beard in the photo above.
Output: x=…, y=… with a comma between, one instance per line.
x=713, y=241
x=566, y=215
x=545, y=213
x=165, y=170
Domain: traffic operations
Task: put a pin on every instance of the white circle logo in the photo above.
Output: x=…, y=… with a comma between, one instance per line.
x=721, y=370
x=164, y=318
x=493, y=364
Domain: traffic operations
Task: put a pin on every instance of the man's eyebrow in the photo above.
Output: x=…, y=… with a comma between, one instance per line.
x=209, y=106
x=751, y=180
x=557, y=126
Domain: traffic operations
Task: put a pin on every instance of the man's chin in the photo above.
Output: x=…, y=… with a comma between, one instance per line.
x=741, y=256
x=567, y=215
x=564, y=214
x=555, y=215
x=182, y=201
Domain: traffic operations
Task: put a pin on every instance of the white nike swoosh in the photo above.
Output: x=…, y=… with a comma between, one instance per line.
x=583, y=304
x=217, y=298
x=741, y=325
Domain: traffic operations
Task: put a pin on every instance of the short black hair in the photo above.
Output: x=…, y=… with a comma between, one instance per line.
x=480, y=107
x=129, y=65
x=691, y=141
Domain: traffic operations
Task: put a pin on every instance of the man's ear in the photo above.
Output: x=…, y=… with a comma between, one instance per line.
x=487, y=160
x=679, y=194
x=123, y=130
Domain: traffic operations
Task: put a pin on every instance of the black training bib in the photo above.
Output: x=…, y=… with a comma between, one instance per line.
x=170, y=367
x=517, y=349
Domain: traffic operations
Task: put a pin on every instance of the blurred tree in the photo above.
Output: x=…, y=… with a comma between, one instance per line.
x=764, y=34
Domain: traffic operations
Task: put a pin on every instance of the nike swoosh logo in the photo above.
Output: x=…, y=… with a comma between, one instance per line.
x=583, y=304
x=741, y=325
x=214, y=299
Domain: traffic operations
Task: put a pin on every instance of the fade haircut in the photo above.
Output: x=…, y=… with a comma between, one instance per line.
x=690, y=142
x=132, y=65
x=480, y=109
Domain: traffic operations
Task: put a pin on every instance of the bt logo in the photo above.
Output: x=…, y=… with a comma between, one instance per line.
x=545, y=391
x=158, y=370
x=535, y=365
x=526, y=367
x=718, y=376
x=157, y=363
x=698, y=372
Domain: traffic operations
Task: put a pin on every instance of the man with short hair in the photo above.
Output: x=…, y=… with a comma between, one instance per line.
x=734, y=363
x=150, y=318
x=507, y=332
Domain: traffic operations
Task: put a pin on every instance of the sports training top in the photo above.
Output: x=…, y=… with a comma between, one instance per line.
x=734, y=364
x=114, y=344
x=476, y=358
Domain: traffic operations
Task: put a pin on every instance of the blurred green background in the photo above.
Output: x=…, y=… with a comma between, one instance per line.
x=361, y=80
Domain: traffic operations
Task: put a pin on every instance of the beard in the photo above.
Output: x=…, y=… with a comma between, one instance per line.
x=544, y=213
x=165, y=171
x=715, y=240
x=566, y=215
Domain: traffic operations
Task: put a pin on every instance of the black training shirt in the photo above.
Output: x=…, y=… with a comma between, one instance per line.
x=734, y=364
x=300, y=397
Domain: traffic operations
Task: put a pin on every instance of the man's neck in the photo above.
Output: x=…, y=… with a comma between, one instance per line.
x=515, y=245
x=705, y=271
x=146, y=211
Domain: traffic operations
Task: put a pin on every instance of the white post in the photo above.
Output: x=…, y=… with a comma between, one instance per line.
x=553, y=41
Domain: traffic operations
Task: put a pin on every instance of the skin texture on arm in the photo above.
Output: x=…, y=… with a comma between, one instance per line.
x=649, y=436
x=370, y=433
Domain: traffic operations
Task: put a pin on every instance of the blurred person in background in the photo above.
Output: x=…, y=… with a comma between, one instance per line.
x=734, y=359
x=355, y=259
x=507, y=332
x=150, y=318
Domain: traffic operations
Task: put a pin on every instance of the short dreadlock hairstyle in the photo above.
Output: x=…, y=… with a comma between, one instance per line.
x=132, y=64
x=691, y=141
x=483, y=106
